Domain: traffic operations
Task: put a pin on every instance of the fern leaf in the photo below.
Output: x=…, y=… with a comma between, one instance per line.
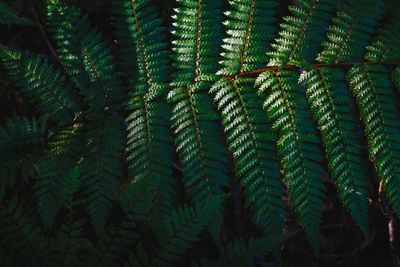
x=21, y=236
x=102, y=165
x=138, y=198
x=182, y=228
x=252, y=144
x=385, y=46
x=139, y=26
x=86, y=57
x=22, y=142
x=137, y=201
x=149, y=149
x=298, y=148
x=21, y=136
x=351, y=31
x=194, y=121
x=149, y=146
x=199, y=146
x=396, y=78
x=331, y=107
x=198, y=31
x=371, y=86
x=70, y=245
x=10, y=17
x=54, y=170
x=38, y=80
x=302, y=32
x=83, y=52
x=149, y=139
x=116, y=244
x=250, y=27
x=246, y=253
x=202, y=154
x=139, y=258
x=71, y=186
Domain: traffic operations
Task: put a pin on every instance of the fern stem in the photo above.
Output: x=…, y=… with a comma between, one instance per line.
x=198, y=35
x=300, y=35
x=344, y=43
x=199, y=138
x=247, y=38
x=315, y=65
x=45, y=37
x=140, y=42
x=392, y=224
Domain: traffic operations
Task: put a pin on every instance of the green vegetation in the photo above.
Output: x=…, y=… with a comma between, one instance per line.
x=136, y=147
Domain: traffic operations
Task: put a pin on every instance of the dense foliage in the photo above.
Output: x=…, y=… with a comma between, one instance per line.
x=139, y=148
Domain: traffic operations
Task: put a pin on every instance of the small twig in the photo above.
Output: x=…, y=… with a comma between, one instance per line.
x=177, y=167
x=324, y=227
x=44, y=35
x=392, y=226
x=338, y=225
x=365, y=244
x=315, y=65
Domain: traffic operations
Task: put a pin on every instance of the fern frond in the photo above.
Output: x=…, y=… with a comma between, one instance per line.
x=252, y=144
x=138, y=198
x=39, y=81
x=22, y=141
x=196, y=48
x=21, y=236
x=386, y=46
x=89, y=62
x=150, y=140
x=375, y=97
x=240, y=253
x=198, y=144
x=396, y=78
x=198, y=38
x=136, y=201
x=70, y=245
x=149, y=144
x=246, y=253
x=139, y=27
x=21, y=136
x=149, y=150
x=138, y=258
x=200, y=149
x=331, y=106
x=115, y=245
x=85, y=55
x=250, y=28
x=102, y=165
x=71, y=186
x=302, y=32
x=10, y=17
x=351, y=31
x=182, y=228
x=298, y=148
x=65, y=148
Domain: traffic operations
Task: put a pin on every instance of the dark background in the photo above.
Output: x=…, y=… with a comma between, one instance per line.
x=342, y=243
